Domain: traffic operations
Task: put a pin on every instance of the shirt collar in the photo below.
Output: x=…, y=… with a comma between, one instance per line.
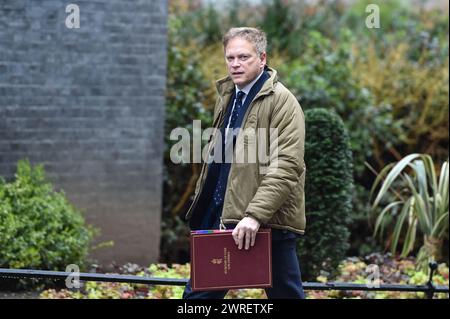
x=246, y=89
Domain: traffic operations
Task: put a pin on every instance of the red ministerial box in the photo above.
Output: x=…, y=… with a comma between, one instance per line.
x=218, y=264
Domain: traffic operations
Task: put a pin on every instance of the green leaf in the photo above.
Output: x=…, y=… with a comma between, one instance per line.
x=393, y=174
x=400, y=222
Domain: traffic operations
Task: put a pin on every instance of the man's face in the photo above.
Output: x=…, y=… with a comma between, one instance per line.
x=243, y=63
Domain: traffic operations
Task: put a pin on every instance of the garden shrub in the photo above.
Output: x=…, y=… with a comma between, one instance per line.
x=328, y=192
x=322, y=77
x=39, y=228
x=386, y=269
x=417, y=94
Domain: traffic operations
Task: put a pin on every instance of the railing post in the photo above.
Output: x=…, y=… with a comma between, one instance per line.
x=430, y=293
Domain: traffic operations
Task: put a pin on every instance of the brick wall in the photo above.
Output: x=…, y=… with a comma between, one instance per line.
x=88, y=103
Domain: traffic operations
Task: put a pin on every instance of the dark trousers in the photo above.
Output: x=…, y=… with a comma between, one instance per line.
x=286, y=276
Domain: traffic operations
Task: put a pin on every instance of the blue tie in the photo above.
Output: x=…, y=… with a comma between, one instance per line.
x=234, y=115
x=236, y=109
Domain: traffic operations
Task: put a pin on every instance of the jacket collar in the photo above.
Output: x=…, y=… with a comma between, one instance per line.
x=225, y=86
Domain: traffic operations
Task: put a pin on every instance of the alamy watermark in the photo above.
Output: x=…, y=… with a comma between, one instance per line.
x=73, y=280
x=243, y=146
x=73, y=19
x=373, y=19
x=373, y=279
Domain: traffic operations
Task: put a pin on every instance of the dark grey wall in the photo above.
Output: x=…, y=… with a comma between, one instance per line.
x=88, y=103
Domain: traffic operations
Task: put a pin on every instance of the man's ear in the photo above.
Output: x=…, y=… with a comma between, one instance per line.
x=263, y=59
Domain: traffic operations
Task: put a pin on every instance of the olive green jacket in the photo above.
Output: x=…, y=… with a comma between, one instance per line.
x=272, y=190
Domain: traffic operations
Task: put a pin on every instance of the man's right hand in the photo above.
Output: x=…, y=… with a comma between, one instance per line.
x=246, y=230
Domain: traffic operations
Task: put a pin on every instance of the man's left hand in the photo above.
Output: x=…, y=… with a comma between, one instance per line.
x=246, y=230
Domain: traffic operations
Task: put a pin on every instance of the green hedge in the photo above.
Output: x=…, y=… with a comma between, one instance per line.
x=328, y=192
x=39, y=228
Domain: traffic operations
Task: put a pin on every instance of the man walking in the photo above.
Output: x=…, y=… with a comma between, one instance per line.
x=246, y=195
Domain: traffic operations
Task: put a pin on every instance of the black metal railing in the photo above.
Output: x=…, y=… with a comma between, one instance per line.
x=429, y=288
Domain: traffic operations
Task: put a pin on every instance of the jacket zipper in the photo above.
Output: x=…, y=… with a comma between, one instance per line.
x=229, y=174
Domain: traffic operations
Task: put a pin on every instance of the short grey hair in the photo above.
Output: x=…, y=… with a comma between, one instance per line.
x=253, y=35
